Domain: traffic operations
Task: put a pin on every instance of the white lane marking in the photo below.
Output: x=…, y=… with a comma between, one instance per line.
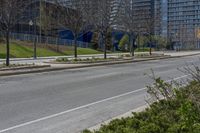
x=81, y=107
x=127, y=114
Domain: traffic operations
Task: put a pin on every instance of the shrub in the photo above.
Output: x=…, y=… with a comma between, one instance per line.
x=63, y=59
x=176, y=110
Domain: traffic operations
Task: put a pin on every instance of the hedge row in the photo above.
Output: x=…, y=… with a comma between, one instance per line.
x=179, y=112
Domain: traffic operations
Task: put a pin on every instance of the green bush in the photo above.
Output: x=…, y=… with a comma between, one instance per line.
x=123, y=42
x=62, y=59
x=179, y=112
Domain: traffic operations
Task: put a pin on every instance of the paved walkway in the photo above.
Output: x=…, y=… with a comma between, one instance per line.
x=55, y=67
x=181, y=53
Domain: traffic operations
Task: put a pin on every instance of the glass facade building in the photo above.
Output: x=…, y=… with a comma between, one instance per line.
x=179, y=20
x=117, y=11
x=152, y=13
x=184, y=23
x=161, y=7
x=143, y=13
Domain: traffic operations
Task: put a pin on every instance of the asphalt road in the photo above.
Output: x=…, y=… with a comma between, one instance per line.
x=72, y=100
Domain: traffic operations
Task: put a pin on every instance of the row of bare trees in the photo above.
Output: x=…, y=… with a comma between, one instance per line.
x=138, y=22
x=78, y=16
x=10, y=14
x=81, y=16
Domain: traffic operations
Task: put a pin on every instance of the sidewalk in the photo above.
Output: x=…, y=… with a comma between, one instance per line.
x=57, y=67
x=181, y=53
x=40, y=60
x=69, y=56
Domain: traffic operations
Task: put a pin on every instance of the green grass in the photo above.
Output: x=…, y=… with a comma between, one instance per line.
x=82, y=51
x=23, y=51
x=145, y=49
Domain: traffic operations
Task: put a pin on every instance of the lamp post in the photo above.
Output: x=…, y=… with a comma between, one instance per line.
x=31, y=23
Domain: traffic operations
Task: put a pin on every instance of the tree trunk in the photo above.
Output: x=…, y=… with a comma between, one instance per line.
x=150, y=49
x=35, y=47
x=105, y=48
x=138, y=43
x=57, y=46
x=130, y=43
x=100, y=38
x=132, y=49
x=75, y=48
x=7, y=48
x=35, y=50
x=35, y=41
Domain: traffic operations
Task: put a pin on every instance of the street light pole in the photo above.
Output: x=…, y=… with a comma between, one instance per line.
x=40, y=20
x=35, y=39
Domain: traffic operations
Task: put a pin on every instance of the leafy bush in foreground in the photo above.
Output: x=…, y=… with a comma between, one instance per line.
x=178, y=112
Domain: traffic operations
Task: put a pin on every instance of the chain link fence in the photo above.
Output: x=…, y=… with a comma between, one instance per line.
x=47, y=40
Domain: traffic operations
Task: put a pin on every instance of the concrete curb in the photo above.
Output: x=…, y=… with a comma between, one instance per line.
x=89, y=65
x=25, y=67
x=71, y=67
x=54, y=57
x=125, y=115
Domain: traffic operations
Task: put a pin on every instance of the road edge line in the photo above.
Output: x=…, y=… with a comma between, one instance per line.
x=80, y=107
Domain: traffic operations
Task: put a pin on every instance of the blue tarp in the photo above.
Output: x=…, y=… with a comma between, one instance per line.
x=83, y=37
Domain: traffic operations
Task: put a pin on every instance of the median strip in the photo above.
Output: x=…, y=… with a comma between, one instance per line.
x=47, y=68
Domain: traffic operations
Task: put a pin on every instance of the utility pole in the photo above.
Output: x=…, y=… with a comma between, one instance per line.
x=40, y=21
x=33, y=23
x=35, y=40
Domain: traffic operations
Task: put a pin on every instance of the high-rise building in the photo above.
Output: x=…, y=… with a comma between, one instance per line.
x=143, y=13
x=164, y=18
x=116, y=7
x=184, y=23
x=161, y=13
x=151, y=15
x=179, y=20
x=148, y=16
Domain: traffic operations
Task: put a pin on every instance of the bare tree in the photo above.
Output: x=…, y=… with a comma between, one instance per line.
x=149, y=27
x=149, y=20
x=186, y=37
x=128, y=19
x=70, y=16
x=171, y=36
x=47, y=23
x=100, y=13
x=139, y=21
x=10, y=14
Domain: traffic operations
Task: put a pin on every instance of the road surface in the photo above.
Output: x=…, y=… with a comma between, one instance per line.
x=72, y=100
